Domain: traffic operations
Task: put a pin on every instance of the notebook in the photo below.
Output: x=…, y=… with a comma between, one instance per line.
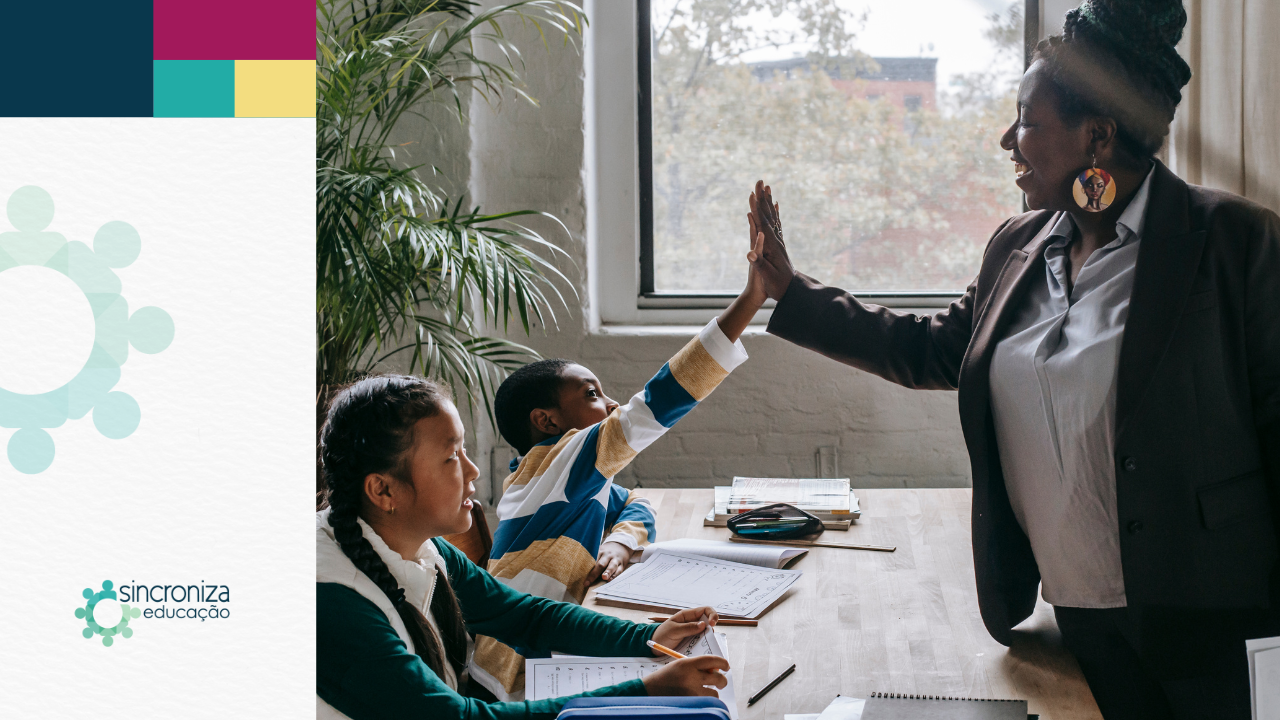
x=669, y=579
x=891, y=706
x=766, y=556
x=1264, y=676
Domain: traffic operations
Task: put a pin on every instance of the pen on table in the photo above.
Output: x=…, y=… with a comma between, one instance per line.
x=664, y=650
x=772, y=685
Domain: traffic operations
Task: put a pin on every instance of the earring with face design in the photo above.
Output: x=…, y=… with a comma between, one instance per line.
x=1094, y=190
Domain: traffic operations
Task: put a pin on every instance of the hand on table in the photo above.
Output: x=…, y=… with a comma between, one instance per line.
x=769, y=261
x=613, y=558
x=684, y=624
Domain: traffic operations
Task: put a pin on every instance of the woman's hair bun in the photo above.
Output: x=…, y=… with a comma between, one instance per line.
x=1153, y=22
x=1143, y=34
x=1119, y=58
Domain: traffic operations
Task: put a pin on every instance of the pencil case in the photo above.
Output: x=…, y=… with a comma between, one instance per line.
x=635, y=708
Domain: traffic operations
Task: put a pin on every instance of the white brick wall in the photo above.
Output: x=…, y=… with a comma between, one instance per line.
x=773, y=413
x=770, y=417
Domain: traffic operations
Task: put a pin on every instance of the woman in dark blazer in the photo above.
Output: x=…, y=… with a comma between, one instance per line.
x=1118, y=374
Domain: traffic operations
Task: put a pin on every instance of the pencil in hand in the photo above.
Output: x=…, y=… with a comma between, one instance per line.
x=664, y=650
x=719, y=622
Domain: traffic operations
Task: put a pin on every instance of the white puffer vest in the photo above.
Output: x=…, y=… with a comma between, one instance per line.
x=417, y=579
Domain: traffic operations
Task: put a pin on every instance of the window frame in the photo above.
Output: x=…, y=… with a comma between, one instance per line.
x=647, y=297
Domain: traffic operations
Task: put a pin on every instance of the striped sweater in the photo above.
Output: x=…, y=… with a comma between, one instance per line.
x=560, y=497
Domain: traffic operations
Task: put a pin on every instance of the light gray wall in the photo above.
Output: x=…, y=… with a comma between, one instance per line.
x=773, y=413
x=1051, y=14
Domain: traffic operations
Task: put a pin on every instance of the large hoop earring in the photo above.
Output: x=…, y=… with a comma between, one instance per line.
x=1089, y=194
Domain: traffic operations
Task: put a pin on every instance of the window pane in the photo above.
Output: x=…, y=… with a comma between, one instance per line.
x=876, y=122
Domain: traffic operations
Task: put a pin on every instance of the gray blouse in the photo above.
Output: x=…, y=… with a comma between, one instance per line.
x=1053, y=397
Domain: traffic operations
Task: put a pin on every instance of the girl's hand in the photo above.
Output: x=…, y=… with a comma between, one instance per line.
x=770, y=262
x=690, y=676
x=684, y=624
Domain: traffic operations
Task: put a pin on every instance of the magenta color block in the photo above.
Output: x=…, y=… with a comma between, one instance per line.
x=235, y=30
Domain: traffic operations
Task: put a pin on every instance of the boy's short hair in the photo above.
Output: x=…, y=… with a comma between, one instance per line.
x=536, y=385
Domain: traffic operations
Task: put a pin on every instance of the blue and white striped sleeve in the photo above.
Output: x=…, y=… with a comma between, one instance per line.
x=630, y=519
x=678, y=387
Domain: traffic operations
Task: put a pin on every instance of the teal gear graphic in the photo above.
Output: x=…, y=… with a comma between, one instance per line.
x=93, y=628
x=149, y=330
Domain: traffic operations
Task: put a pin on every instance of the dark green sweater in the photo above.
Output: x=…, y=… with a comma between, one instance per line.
x=364, y=669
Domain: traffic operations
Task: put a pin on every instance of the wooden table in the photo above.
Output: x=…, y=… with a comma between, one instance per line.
x=904, y=622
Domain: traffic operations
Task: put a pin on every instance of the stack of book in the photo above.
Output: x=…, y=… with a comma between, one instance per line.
x=830, y=500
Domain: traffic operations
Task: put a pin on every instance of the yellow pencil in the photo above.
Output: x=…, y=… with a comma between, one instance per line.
x=664, y=650
x=721, y=621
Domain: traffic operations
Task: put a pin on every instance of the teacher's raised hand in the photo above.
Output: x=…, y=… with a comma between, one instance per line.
x=768, y=254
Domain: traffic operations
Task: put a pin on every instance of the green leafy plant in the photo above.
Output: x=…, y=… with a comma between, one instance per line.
x=400, y=266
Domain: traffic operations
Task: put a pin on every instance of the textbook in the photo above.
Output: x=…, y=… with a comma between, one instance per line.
x=820, y=496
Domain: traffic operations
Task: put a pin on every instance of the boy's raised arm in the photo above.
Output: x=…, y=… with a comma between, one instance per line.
x=684, y=381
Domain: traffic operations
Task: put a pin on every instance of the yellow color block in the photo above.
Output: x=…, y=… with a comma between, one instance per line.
x=275, y=88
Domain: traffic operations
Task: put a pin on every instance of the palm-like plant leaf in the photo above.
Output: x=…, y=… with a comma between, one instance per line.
x=400, y=267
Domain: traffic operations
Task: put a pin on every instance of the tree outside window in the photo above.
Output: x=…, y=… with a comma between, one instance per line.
x=890, y=178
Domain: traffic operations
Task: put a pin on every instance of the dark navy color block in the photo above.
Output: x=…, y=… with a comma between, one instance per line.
x=76, y=58
x=667, y=398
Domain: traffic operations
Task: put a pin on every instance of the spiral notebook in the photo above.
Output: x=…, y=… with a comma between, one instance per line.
x=891, y=706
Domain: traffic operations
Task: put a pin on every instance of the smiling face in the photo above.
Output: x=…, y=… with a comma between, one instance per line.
x=581, y=404
x=1047, y=152
x=436, y=499
x=582, y=399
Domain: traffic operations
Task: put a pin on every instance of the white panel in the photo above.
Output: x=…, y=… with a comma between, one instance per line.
x=214, y=485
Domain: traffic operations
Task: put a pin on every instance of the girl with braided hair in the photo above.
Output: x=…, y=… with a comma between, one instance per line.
x=396, y=604
x=1118, y=368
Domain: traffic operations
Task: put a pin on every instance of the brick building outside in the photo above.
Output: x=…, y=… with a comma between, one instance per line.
x=907, y=82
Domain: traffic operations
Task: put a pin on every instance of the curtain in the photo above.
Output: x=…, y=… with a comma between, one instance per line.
x=1227, y=130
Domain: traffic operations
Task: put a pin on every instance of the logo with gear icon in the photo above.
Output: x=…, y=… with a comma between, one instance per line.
x=36, y=262
x=104, y=616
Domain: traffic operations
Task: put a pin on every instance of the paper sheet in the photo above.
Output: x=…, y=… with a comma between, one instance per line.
x=766, y=556
x=680, y=580
x=567, y=675
x=571, y=674
x=1264, y=677
x=843, y=708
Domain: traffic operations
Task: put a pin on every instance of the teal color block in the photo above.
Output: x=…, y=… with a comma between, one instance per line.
x=195, y=88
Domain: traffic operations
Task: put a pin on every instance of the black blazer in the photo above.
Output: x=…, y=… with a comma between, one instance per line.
x=1197, y=450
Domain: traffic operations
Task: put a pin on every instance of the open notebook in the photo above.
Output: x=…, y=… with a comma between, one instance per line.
x=765, y=556
x=671, y=579
x=562, y=675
